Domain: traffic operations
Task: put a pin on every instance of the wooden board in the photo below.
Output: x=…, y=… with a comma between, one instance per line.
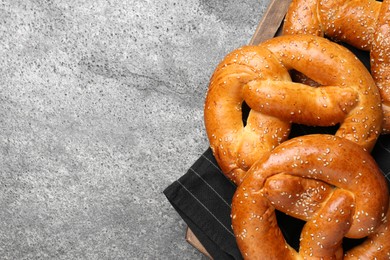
x=268, y=27
x=271, y=22
x=193, y=240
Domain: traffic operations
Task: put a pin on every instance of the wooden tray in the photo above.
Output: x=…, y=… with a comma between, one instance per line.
x=268, y=27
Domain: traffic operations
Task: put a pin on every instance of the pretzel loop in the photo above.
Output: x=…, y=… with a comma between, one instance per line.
x=259, y=76
x=364, y=24
x=353, y=201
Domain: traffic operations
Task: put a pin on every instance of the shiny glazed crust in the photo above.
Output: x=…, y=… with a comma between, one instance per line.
x=352, y=202
x=259, y=76
x=364, y=24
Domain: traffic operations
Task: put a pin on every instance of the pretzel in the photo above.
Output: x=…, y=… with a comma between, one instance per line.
x=380, y=61
x=364, y=24
x=352, y=202
x=259, y=76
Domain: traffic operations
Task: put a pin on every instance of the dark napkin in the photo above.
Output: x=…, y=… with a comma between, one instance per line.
x=203, y=196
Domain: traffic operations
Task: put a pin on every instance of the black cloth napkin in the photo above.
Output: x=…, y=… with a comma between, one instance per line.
x=203, y=197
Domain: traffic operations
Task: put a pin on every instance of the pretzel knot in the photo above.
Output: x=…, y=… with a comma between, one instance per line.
x=352, y=201
x=259, y=76
x=364, y=24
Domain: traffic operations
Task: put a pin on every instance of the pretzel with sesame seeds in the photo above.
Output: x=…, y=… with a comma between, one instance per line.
x=259, y=76
x=352, y=201
x=364, y=24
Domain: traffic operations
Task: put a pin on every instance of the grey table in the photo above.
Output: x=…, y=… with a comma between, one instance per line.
x=101, y=109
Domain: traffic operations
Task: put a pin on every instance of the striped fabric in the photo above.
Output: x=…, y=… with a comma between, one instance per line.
x=203, y=197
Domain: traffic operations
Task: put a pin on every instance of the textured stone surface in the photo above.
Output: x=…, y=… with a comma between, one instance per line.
x=100, y=110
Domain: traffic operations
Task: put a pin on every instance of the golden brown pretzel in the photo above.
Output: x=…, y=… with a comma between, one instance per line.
x=259, y=75
x=302, y=197
x=353, y=203
x=380, y=61
x=364, y=24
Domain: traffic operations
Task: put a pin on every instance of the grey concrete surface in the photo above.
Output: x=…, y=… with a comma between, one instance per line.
x=101, y=109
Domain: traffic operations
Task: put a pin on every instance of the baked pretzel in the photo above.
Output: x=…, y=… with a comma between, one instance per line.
x=380, y=61
x=364, y=24
x=352, y=201
x=259, y=76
